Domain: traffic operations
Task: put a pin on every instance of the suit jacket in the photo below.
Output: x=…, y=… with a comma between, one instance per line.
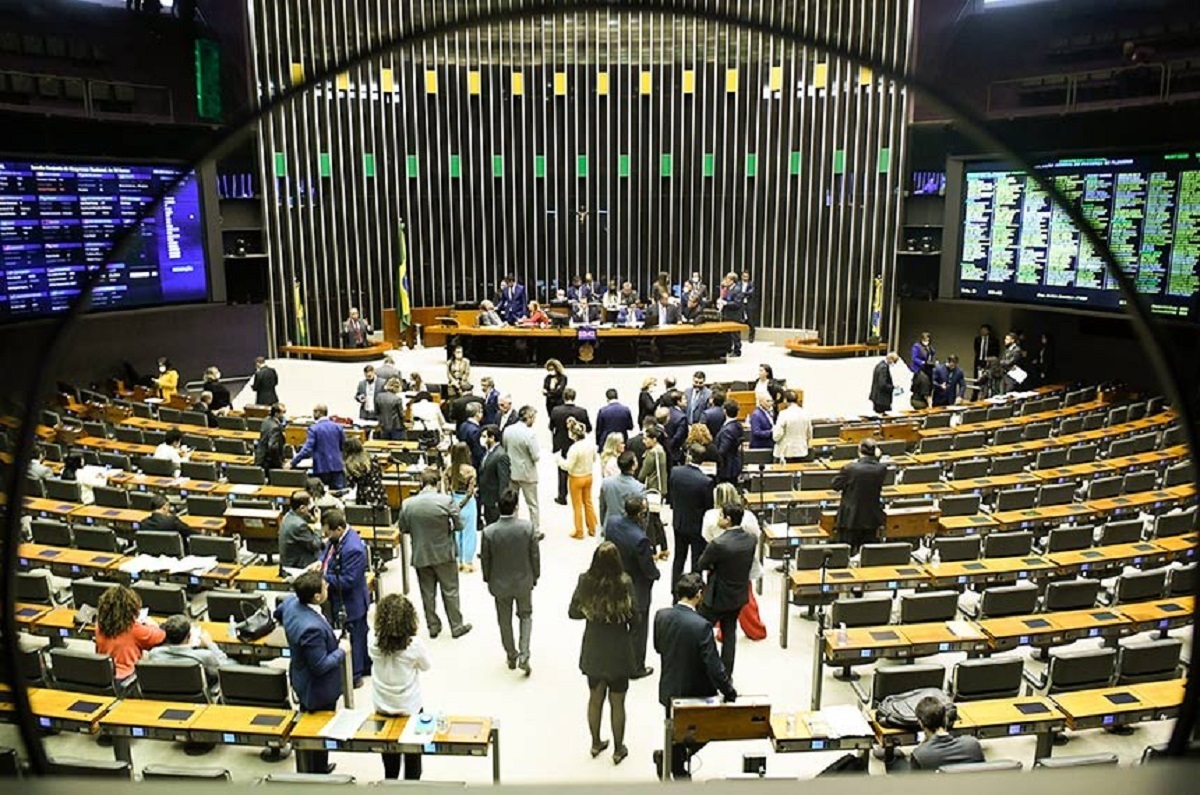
x=990, y=349
x=676, y=430
x=456, y=410
x=514, y=303
x=673, y=315
x=696, y=401
x=351, y=329
x=299, y=544
x=646, y=406
x=504, y=421
x=345, y=564
x=691, y=667
x=729, y=451
x=490, y=318
x=491, y=407
x=762, y=426
x=637, y=555
x=520, y=442
x=264, y=383
x=495, y=475
x=613, y=491
x=690, y=493
x=375, y=386
x=921, y=357
x=389, y=408
x=431, y=519
x=268, y=450
x=316, y=660
x=510, y=557
x=324, y=444
x=948, y=385
x=728, y=559
x=220, y=392
x=861, y=485
x=386, y=372
x=469, y=432
x=558, y=425
x=881, y=384
x=613, y=418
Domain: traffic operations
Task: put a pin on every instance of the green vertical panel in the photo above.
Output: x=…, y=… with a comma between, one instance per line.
x=710, y=164
x=794, y=163
x=539, y=166
x=208, y=79
x=885, y=160
x=666, y=164
x=325, y=164
x=280, y=164
x=455, y=166
x=581, y=166
x=623, y=167
x=497, y=165
x=751, y=165
x=369, y=164
x=839, y=161
x=411, y=166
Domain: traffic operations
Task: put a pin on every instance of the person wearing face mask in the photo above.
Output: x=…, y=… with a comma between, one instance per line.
x=167, y=380
x=299, y=543
x=221, y=400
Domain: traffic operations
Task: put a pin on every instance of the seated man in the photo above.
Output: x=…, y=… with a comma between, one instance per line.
x=162, y=518
x=488, y=316
x=940, y=747
x=664, y=313
x=204, y=406
x=178, y=647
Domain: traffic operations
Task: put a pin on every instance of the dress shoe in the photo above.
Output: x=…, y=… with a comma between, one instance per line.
x=433, y=633
x=577, y=536
x=524, y=666
x=331, y=768
x=512, y=663
x=560, y=501
x=642, y=674
x=599, y=748
x=358, y=683
x=463, y=630
x=658, y=764
x=619, y=754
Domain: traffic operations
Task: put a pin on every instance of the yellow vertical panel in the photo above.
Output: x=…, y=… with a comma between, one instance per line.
x=602, y=83
x=474, y=82
x=342, y=81
x=864, y=76
x=731, y=80
x=430, y=81
x=821, y=75
x=518, y=83
x=387, y=80
x=297, y=73
x=775, y=81
x=560, y=84
x=646, y=83
x=689, y=81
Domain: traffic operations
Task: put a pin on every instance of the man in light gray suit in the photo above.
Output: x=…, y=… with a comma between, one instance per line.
x=431, y=519
x=614, y=489
x=521, y=444
x=511, y=566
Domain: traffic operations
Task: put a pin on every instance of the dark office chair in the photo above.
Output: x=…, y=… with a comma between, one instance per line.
x=1148, y=661
x=1145, y=442
x=110, y=497
x=64, y=490
x=1079, y=594
x=1008, y=435
x=922, y=474
x=844, y=452
x=1009, y=464
x=1082, y=454
x=1016, y=500
x=1081, y=760
x=255, y=686
x=98, y=538
x=1094, y=421
x=199, y=443
x=225, y=550
x=1078, y=670
x=1070, y=426
x=1007, y=545
x=1122, y=448
x=972, y=416
x=1036, y=430
x=141, y=501
x=34, y=587
x=1118, y=415
x=926, y=606
x=1182, y=580
x=128, y=433
x=871, y=612
x=223, y=604
x=368, y=515
x=84, y=672
x=892, y=447
x=154, y=542
x=936, y=444
x=294, y=478
x=969, y=441
x=1006, y=600
x=87, y=591
x=1179, y=474
x=200, y=470
x=158, y=467
x=172, y=681
x=169, y=415
x=986, y=678
x=999, y=412
x=973, y=468
x=890, y=554
x=231, y=423
x=892, y=679
x=118, y=461
x=1173, y=436
x=165, y=599
x=811, y=556
x=206, y=506
x=773, y=481
x=1175, y=524
x=69, y=767
x=1056, y=494
x=1103, y=488
x=952, y=550
x=817, y=479
x=170, y=772
x=959, y=504
x=1068, y=539
x=51, y=532
x=1123, y=531
x=940, y=420
x=826, y=430
x=1051, y=459
x=231, y=446
x=754, y=457
x=251, y=476
x=1138, y=586
x=1136, y=482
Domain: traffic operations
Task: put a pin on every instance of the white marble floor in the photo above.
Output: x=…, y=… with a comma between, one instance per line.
x=544, y=731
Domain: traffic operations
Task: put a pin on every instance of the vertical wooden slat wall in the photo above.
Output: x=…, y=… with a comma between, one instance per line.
x=621, y=145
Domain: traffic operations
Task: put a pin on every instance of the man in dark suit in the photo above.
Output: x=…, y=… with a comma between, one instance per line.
x=728, y=560
x=299, y=544
x=491, y=400
x=986, y=346
x=560, y=439
x=162, y=518
x=365, y=394
x=697, y=398
x=264, y=383
x=613, y=417
x=676, y=428
x=268, y=449
x=511, y=564
x=691, y=667
x=882, y=388
x=729, y=445
x=344, y=564
x=690, y=494
x=860, y=513
x=431, y=519
x=506, y=415
x=514, y=300
x=625, y=531
x=749, y=303
x=455, y=410
x=664, y=313
x=324, y=444
x=356, y=331
x=316, y=657
x=469, y=431
x=714, y=415
x=495, y=473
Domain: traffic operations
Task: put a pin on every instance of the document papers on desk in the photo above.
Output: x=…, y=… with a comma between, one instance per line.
x=189, y=564
x=345, y=723
x=290, y=573
x=841, y=721
x=961, y=629
x=243, y=488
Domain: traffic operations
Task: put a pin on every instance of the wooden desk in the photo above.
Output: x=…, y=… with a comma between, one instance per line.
x=901, y=641
x=146, y=423
x=870, y=578
x=41, y=508
x=261, y=578
x=59, y=622
x=1107, y=558
x=966, y=525
x=66, y=561
x=1165, y=697
x=1163, y=614
x=158, y=720
x=1021, y=420
x=1106, y=707
x=1052, y=629
x=61, y=710
x=988, y=485
x=805, y=730
x=268, y=647
x=255, y=726
x=1182, y=548
x=781, y=542
x=1041, y=517
x=121, y=519
x=27, y=614
x=1012, y=717
x=988, y=570
x=208, y=525
x=1149, y=501
x=366, y=353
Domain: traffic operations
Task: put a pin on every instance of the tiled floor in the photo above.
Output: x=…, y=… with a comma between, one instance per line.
x=544, y=731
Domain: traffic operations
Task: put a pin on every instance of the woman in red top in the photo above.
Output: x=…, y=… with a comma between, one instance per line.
x=119, y=634
x=536, y=316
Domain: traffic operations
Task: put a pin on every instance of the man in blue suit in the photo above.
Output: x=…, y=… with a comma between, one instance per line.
x=698, y=397
x=344, y=564
x=316, y=657
x=513, y=299
x=690, y=493
x=676, y=428
x=469, y=431
x=613, y=417
x=491, y=400
x=714, y=415
x=729, y=445
x=625, y=531
x=324, y=445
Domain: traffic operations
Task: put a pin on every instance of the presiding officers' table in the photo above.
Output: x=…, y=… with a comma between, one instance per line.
x=600, y=345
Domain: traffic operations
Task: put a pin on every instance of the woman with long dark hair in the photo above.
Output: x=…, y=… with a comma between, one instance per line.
x=364, y=473
x=553, y=385
x=604, y=598
x=397, y=659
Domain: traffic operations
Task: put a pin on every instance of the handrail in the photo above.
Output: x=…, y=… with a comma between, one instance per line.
x=1070, y=83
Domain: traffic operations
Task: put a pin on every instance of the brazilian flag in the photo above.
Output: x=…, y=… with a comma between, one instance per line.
x=403, y=304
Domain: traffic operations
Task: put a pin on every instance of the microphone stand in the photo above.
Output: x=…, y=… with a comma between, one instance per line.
x=762, y=536
x=396, y=458
x=818, y=650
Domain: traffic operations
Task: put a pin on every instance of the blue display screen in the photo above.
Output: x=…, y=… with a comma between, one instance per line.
x=57, y=223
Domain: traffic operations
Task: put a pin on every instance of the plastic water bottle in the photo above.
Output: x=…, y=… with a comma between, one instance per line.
x=232, y=628
x=843, y=637
x=937, y=557
x=443, y=723
x=421, y=460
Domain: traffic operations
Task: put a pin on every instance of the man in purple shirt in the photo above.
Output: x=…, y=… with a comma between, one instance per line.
x=324, y=445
